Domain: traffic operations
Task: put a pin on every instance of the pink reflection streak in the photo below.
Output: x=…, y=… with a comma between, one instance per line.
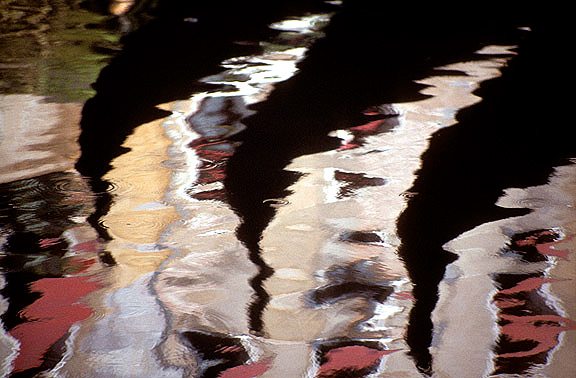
x=529, y=285
x=49, y=318
x=546, y=249
x=89, y=246
x=370, y=127
x=246, y=371
x=544, y=329
x=348, y=146
x=229, y=349
x=354, y=357
x=404, y=295
x=509, y=302
x=47, y=242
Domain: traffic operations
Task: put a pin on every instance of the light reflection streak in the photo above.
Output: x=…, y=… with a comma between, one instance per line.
x=527, y=321
x=217, y=300
x=317, y=200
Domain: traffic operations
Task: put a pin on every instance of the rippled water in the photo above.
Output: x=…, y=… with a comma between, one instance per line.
x=305, y=192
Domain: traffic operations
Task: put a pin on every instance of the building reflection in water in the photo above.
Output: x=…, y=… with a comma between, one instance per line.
x=204, y=275
x=51, y=261
x=524, y=276
x=334, y=297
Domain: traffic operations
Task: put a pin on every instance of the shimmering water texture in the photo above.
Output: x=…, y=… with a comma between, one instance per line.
x=211, y=191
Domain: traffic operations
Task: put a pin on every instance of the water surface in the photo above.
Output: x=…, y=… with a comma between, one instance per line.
x=304, y=192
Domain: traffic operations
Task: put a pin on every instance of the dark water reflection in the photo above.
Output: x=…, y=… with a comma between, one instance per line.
x=45, y=44
x=307, y=191
x=452, y=184
x=47, y=253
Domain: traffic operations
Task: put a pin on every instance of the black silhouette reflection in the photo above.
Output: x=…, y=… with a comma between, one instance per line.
x=497, y=143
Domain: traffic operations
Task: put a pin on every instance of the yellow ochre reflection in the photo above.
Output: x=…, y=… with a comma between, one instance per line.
x=138, y=214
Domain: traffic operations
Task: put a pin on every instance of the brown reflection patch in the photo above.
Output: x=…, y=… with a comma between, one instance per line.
x=351, y=182
x=536, y=245
x=358, y=279
x=509, y=302
x=216, y=195
x=362, y=237
x=334, y=293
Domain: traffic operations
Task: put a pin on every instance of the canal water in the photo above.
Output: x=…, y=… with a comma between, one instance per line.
x=309, y=189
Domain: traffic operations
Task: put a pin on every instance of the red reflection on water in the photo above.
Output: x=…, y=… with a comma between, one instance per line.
x=548, y=250
x=375, y=127
x=350, y=358
x=76, y=264
x=359, y=132
x=533, y=239
x=246, y=371
x=509, y=302
x=214, y=155
x=404, y=295
x=216, y=195
x=370, y=127
x=229, y=349
x=89, y=246
x=47, y=242
x=348, y=146
x=544, y=247
x=528, y=284
x=49, y=318
x=214, y=168
x=529, y=325
x=543, y=329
